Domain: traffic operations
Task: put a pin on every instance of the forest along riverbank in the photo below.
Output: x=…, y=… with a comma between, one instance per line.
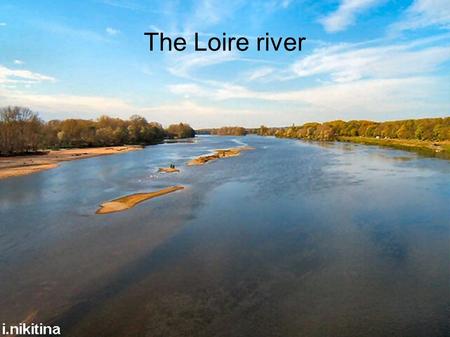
x=426, y=136
x=22, y=165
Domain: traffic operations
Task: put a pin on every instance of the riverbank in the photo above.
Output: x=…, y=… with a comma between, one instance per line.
x=24, y=165
x=428, y=148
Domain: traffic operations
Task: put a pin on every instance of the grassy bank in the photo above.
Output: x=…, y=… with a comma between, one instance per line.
x=423, y=147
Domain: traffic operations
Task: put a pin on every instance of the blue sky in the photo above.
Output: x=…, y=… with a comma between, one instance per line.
x=363, y=59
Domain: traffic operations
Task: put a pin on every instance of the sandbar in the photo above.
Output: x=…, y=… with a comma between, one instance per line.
x=129, y=201
x=218, y=154
x=168, y=170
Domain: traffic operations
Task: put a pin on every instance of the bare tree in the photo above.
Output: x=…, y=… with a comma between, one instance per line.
x=20, y=130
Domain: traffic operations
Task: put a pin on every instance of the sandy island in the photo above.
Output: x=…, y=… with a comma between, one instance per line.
x=129, y=201
x=220, y=153
x=168, y=170
x=23, y=165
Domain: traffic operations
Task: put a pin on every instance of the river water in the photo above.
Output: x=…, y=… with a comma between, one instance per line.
x=290, y=239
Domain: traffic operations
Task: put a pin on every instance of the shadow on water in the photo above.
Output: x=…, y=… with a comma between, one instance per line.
x=221, y=266
x=91, y=300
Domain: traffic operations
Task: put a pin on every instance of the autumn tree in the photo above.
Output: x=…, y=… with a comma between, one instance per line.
x=20, y=130
x=181, y=130
x=435, y=129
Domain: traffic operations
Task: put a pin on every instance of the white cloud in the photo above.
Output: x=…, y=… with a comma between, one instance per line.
x=202, y=114
x=111, y=31
x=346, y=14
x=8, y=75
x=185, y=65
x=273, y=5
x=345, y=63
x=185, y=107
x=260, y=73
x=74, y=106
x=18, y=62
x=425, y=13
x=373, y=95
x=374, y=98
x=362, y=81
x=187, y=89
x=197, y=15
x=3, y=24
x=213, y=90
x=208, y=13
x=62, y=103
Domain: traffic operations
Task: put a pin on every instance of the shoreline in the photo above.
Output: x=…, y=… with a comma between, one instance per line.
x=16, y=166
x=439, y=150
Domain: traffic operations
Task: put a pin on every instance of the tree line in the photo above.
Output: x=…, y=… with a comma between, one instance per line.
x=22, y=131
x=431, y=129
x=225, y=131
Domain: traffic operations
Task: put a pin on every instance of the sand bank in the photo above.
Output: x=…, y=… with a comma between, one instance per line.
x=168, y=170
x=220, y=153
x=129, y=201
x=23, y=165
x=181, y=140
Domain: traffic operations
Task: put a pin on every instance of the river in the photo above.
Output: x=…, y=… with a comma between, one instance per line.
x=290, y=239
